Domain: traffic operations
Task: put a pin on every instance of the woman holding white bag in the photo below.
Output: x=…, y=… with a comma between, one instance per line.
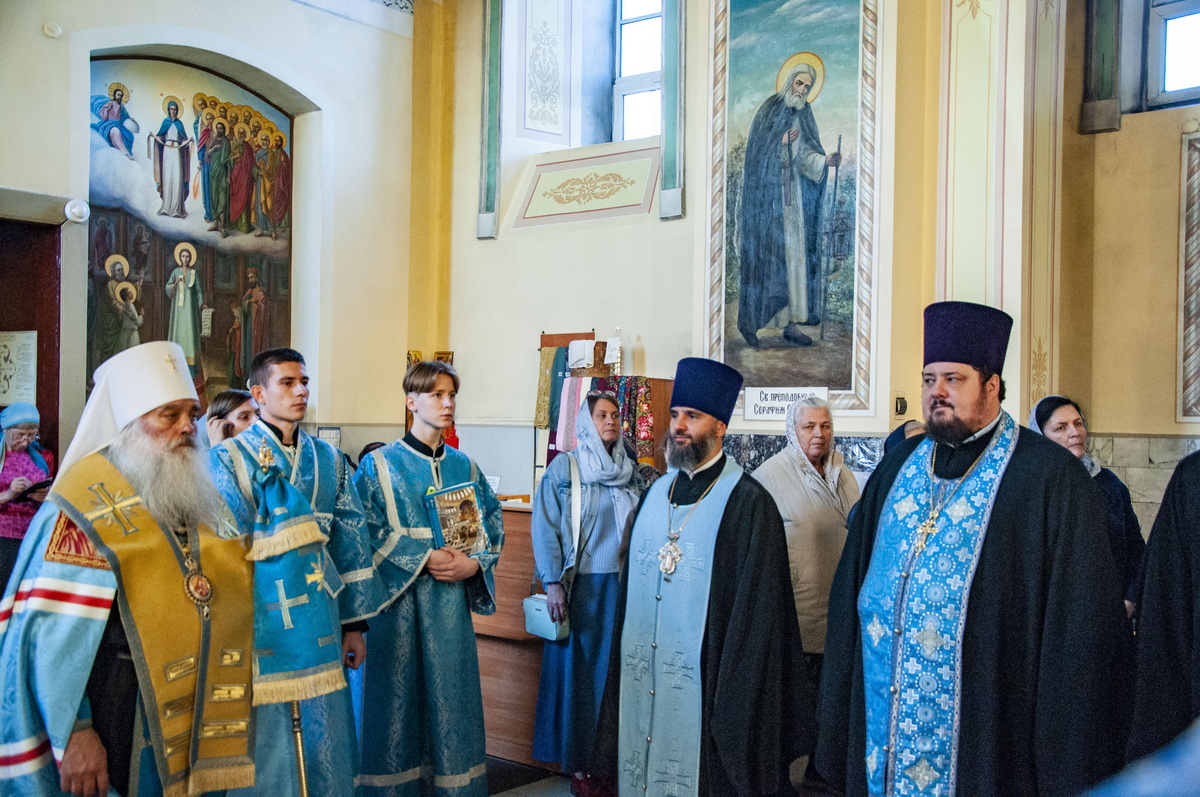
x=581, y=579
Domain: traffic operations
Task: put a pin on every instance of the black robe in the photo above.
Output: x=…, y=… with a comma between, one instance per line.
x=1168, y=649
x=1047, y=649
x=763, y=289
x=757, y=713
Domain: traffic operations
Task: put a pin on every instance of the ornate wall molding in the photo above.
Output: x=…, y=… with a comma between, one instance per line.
x=544, y=77
x=1189, y=282
x=871, y=138
x=1043, y=187
x=575, y=189
x=391, y=15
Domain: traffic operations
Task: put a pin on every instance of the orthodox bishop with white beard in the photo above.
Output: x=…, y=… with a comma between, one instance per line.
x=153, y=697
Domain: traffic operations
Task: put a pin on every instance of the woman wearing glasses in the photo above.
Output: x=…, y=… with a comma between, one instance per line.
x=23, y=464
x=581, y=580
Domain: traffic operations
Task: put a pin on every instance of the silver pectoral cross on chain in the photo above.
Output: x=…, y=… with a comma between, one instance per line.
x=670, y=554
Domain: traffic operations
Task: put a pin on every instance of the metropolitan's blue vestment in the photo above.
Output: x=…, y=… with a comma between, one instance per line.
x=321, y=474
x=52, y=620
x=423, y=719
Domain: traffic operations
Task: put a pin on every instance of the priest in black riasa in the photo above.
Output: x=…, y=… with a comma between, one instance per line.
x=705, y=694
x=977, y=640
x=1168, y=647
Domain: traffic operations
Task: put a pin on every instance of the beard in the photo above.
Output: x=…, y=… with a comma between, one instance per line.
x=951, y=431
x=690, y=455
x=793, y=100
x=171, y=478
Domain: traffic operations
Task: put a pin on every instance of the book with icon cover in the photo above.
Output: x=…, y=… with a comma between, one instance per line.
x=456, y=520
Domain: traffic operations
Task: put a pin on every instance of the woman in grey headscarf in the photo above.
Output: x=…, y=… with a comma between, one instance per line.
x=814, y=492
x=582, y=582
x=1061, y=420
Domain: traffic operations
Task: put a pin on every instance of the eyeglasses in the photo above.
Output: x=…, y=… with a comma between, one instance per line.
x=608, y=394
x=19, y=435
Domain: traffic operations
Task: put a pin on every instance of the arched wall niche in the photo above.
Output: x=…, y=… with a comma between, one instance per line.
x=313, y=211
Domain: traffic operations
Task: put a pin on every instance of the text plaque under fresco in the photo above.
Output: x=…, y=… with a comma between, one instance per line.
x=18, y=367
x=771, y=403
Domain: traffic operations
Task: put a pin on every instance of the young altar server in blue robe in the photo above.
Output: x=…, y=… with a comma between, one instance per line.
x=315, y=585
x=423, y=723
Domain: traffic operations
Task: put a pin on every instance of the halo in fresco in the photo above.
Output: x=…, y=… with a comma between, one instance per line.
x=160, y=186
x=813, y=60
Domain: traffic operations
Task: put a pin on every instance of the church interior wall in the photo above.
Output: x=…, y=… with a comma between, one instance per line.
x=635, y=272
x=1135, y=255
x=1079, y=191
x=647, y=276
x=348, y=84
x=1120, y=264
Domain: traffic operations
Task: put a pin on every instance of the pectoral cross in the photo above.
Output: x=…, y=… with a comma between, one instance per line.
x=669, y=555
x=266, y=457
x=285, y=603
x=926, y=530
x=112, y=510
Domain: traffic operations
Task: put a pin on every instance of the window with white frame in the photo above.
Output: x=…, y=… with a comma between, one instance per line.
x=1173, y=53
x=637, y=87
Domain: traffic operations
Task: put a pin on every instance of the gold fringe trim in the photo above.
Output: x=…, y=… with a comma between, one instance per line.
x=232, y=777
x=304, y=531
x=302, y=688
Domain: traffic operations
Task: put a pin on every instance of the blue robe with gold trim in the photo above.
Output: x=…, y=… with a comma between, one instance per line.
x=423, y=732
x=321, y=473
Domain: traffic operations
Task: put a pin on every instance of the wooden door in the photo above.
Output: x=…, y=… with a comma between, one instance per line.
x=29, y=286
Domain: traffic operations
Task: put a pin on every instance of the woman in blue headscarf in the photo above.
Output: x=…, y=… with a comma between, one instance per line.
x=581, y=580
x=1061, y=419
x=23, y=463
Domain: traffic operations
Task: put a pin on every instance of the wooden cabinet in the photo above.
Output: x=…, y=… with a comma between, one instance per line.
x=510, y=660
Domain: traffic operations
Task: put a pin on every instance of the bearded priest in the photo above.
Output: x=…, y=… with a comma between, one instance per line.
x=706, y=689
x=978, y=642
x=127, y=628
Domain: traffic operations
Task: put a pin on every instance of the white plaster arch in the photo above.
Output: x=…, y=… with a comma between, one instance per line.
x=312, y=204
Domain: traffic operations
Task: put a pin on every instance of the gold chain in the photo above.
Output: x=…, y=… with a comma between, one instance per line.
x=929, y=527
x=670, y=554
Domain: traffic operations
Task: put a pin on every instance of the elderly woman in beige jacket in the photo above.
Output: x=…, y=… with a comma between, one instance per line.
x=814, y=492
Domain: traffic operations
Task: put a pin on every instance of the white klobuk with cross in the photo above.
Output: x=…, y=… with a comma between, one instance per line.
x=665, y=616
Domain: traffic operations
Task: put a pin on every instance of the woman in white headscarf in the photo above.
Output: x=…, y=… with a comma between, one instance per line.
x=581, y=581
x=814, y=492
x=1060, y=419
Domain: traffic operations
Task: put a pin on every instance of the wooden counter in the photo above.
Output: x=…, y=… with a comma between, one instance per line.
x=510, y=660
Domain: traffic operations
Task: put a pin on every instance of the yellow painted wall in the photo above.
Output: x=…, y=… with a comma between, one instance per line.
x=1135, y=255
x=433, y=87
x=1074, y=327
x=1121, y=263
x=914, y=256
x=351, y=204
x=648, y=276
